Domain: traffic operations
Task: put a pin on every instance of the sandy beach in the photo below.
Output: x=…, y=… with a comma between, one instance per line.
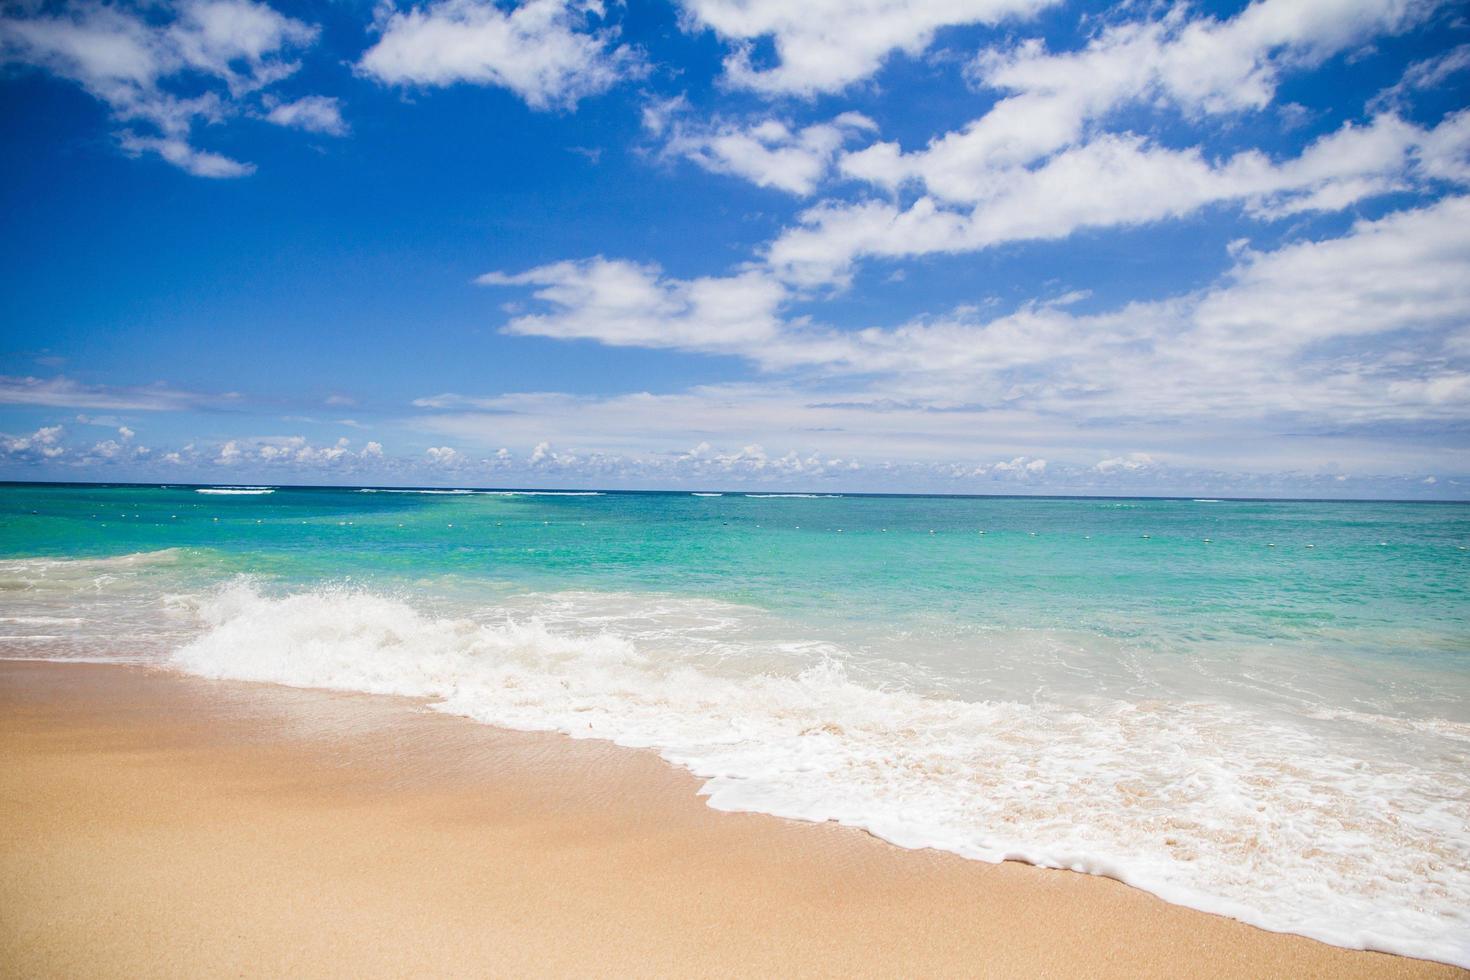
x=157, y=825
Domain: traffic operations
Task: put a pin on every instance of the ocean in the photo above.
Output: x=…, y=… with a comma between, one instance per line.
x=1255, y=708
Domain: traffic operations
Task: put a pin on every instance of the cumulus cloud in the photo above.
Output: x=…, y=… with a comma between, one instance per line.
x=827, y=45
x=41, y=444
x=1198, y=65
x=545, y=51
x=769, y=153
x=46, y=446
x=1282, y=334
x=141, y=60
x=288, y=452
x=627, y=304
x=1118, y=180
x=1131, y=463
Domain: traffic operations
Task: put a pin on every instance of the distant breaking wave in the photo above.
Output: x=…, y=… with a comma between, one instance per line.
x=243, y=491
x=803, y=496
x=455, y=493
x=489, y=493
x=540, y=493
x=708, y=495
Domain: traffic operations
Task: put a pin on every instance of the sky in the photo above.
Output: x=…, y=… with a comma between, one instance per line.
x=945, y=246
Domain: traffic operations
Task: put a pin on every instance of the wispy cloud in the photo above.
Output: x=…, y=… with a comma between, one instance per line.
x=64, y=392
x=161, y=69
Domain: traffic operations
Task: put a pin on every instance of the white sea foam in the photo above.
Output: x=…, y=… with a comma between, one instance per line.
x=244, y=491
x=540, y=493
x=491, y=493
x=708, y=495
x=1211, y=805
x=800, y=496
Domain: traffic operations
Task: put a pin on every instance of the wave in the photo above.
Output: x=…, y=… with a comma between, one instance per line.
x=1204, y=804
x=247, y=491
x=709, y=495
x=491, y=493
x=108, y=562
x=803, y=496
x=455, y=493
x=541, y=493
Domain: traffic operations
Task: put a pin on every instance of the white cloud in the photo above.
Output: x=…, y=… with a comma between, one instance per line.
x=1285, y=334
x=770, y=153
x=827, y=45
x=1131, y=463
x=64, y=392
x=1200, y=65
x=443, y=456
x=1118, y=180
x=1422, y=76
x=284, y=452
x=43, y=444
x=138, y=61
x=626, y=304
x=179, y=152
x=543, y=50
x=312, y=113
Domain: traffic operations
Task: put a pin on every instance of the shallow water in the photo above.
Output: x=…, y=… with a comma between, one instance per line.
x=1256, y=708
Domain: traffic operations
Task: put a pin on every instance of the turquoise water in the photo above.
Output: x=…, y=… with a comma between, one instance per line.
x=1258, y=708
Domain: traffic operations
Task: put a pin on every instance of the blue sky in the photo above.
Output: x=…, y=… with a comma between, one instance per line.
x=969, y=246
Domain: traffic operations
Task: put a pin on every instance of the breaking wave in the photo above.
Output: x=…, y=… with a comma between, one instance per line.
x=1205, y=804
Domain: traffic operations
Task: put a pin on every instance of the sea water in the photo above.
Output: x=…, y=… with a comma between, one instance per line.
x=1255, y=708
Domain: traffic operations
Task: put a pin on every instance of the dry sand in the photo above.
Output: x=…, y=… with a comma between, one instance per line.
x=157, y=825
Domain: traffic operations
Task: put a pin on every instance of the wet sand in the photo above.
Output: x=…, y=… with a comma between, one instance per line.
x=159, y=825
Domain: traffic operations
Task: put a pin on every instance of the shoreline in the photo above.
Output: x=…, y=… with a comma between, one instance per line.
x=159, y=824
